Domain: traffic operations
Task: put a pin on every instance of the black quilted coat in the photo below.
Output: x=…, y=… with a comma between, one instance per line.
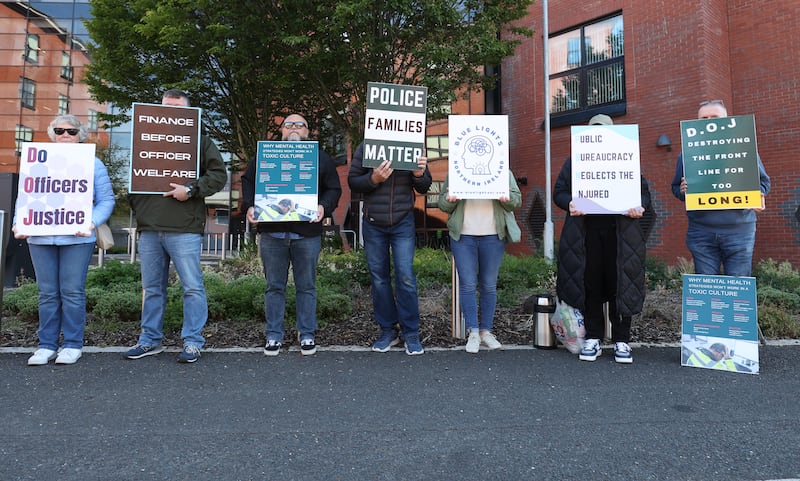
x=631, y=247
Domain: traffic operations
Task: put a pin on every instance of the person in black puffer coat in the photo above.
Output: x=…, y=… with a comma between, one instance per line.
x=601, y=258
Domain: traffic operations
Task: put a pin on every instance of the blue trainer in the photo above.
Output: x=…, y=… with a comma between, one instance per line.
x=190, y=353
x=622, y=353
x=413, y=346
x=141, y=350
x=386, y=340
x=591, y=349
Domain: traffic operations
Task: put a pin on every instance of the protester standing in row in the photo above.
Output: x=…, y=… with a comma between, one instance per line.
x=171, y=227
x=295, y=242
x=389, y=226
x=720, y=240
x=601, y=258
x=62, y=261
x=479, y=230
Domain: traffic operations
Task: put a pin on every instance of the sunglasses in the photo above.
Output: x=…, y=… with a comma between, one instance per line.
x=711, y=102
x=60, y=131
x=294, y=125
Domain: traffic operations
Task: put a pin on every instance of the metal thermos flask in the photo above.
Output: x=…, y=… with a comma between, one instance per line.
x=543, y=337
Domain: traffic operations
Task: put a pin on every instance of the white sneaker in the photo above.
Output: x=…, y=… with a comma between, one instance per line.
x=473, y=342
x=68, y=355
x=488, y=339
x=41, y=357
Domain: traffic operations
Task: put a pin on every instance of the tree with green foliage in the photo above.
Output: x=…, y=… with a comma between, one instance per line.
x=247, y=62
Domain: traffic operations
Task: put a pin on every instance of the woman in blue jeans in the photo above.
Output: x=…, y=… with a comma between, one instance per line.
x=479, y=230
x=62, y=261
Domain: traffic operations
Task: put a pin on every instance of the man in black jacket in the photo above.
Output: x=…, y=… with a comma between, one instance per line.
x=389, y=224
x=601, y=259
x=297, y=242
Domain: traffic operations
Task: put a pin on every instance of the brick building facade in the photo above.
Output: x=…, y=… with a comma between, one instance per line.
x=676, y=54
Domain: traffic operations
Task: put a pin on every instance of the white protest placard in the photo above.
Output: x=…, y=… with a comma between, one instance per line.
x=56, y=189
x=478, y=165
x=606, y=175
x=394, y=127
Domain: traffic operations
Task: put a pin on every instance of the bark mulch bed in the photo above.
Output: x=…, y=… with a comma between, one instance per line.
x=658, y=323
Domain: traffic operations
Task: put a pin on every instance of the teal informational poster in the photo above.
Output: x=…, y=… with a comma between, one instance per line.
x=286, y=181
x=720, y=323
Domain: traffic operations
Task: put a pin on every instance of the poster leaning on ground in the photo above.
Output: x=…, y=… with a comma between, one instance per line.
x=720, y=323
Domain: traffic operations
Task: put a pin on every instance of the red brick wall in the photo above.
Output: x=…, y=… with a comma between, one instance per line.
x=677, y=53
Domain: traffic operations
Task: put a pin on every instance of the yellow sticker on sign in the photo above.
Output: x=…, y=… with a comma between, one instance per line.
x=724, y=200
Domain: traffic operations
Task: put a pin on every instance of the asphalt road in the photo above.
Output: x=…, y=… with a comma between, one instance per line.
x=356, y=415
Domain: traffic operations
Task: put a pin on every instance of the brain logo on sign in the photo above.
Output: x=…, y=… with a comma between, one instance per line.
x=477, y=155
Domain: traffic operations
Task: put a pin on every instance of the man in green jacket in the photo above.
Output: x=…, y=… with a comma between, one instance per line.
x=171, y=227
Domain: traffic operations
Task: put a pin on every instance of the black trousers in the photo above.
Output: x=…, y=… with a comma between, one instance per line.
x=600, y=280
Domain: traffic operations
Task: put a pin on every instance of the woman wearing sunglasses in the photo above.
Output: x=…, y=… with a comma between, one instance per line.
x=61, y=263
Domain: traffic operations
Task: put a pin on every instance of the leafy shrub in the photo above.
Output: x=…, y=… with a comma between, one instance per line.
x=780, y=276
x=118, y=305
x=332, y=306
x=432, y=267
x=778, y=323
x=113, y=272
x=243, y=298
x=521, y=277
x=23, y=301
x=343, y=269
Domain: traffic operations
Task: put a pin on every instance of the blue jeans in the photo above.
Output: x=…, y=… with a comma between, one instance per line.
x=734, y=252
x=276, y=254
x=61, y=278
x=478, y=260
x=401, y=239
x=156, y=250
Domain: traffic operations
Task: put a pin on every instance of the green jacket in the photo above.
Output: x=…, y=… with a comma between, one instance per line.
x=504, y=221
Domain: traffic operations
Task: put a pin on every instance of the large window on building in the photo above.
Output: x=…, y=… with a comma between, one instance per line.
x=23, y=134
x=587, y=71
x=27, y=92
x=31, y=53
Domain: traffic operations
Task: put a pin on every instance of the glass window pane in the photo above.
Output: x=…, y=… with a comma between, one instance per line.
x=605, y=84
x=564, y=51
x=565, y=93
x=604, y=40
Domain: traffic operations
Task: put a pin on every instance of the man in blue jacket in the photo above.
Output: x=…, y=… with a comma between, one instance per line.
x=722, y=237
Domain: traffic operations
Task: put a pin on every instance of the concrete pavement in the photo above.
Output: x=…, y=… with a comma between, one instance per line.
x=357, y=415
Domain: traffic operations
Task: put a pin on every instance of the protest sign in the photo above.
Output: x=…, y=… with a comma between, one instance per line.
x=478, y=166
x=286, y=181
x=394, y=128
x=165, y=147
x=720, y=163
x=56, y=189
x=606, y=175
x=720, y=323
